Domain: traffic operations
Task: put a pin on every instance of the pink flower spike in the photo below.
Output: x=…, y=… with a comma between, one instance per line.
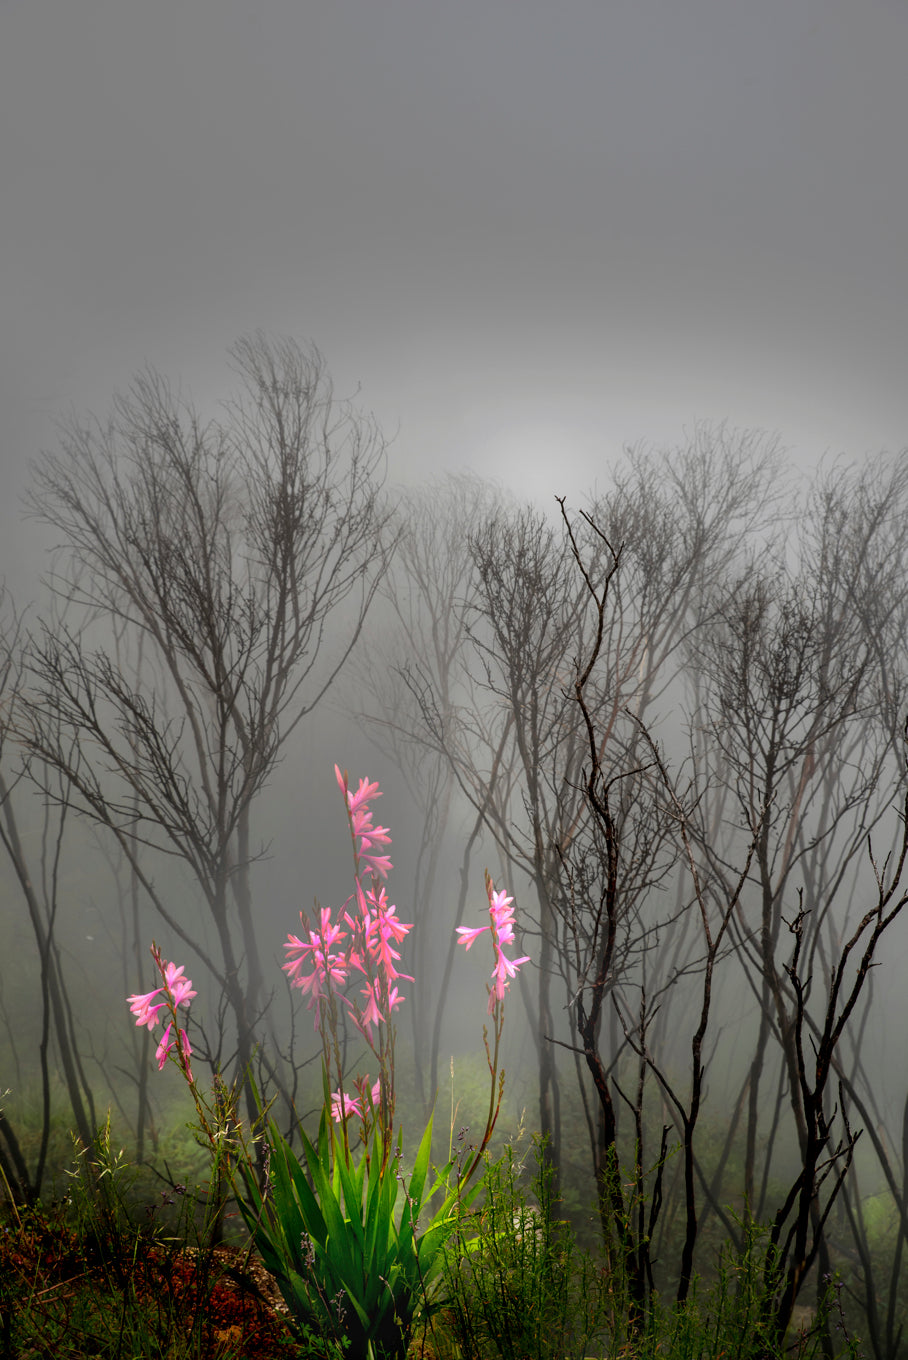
x=141, y=1007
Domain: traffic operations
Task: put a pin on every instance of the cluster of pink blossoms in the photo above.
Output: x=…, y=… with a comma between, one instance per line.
x=371, y=930
x=176, y=991
x=501, y=924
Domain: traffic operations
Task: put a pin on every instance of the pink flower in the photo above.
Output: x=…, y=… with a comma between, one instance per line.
x=364, y=794
x=361, y=822
x=329, y=933
x=501, y=914
x=301, y=949
x=370, y=928
x=504, y=970
x=166, y=1045
x=499, y=903
x=143, y=1010
x=374, y=1095
x=187, y=1051
x=179, y=986
x=332, y=966
x=371, y=1015
x=328, y=969
x=356, y=960
x=183, y=992
x=378, y=864
x=312, y=984
x=395, y=998
x=470, y=934
x=343, y=1106
x=371, y=835
x=380, y=929
x=177, y=991
x=362, y=826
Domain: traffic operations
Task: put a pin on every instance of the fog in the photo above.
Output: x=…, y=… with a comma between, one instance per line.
x=643, y=257
x=666, y=720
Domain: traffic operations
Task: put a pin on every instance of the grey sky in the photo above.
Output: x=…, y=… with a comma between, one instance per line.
x=531, y=232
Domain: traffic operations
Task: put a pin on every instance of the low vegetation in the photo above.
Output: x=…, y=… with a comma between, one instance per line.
x=113, y=1269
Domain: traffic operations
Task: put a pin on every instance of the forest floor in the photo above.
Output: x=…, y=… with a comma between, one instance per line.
x=70, y=1297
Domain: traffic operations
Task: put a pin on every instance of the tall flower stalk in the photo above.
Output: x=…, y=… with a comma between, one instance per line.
x=176, y=991
x=501, y=930
x=347, y=1264
x=219, y=1126
x=358, y=946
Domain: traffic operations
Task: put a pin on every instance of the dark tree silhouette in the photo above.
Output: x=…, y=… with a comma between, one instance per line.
x=237, y=558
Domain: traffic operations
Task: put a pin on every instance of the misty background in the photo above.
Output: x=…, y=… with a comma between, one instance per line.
x=527, y=235
x=524, y=237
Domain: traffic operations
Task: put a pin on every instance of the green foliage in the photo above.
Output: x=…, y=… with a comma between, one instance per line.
x=518, y=1287
x=495, y=1275
x=26, y=1116
x=735, y=1316
x=348, y=1263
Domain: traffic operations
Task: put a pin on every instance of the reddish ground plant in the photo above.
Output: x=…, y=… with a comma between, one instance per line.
x=65, y=1294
